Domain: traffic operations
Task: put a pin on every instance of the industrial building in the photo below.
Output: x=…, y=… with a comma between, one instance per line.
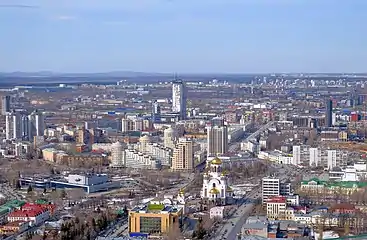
x=90, y=183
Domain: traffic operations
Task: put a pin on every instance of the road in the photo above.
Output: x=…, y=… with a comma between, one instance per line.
x=233, y=225
x=259, y=131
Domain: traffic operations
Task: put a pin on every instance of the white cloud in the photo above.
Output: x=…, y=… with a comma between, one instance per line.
x=65, y=18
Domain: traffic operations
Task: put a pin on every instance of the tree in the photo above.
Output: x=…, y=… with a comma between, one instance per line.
x=17, y=185
x=62, y=194
x=30, y=189
x=174, y=232
x=200, y=231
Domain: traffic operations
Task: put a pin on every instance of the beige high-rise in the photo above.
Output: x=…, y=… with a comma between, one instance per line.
x=217, y=140
x=183, y=155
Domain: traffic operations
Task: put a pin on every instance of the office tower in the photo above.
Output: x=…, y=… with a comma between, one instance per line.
x=156, y=112
x=331, y=159
x=217, y=121
x=270, y=187
x=25, y=127
x=5, y=104
x=13, y=125
x=217, y=140
x=314, y=157
x=296, y=155
x=183, y=155
x=329, y=113
x=36, y=124
x=144, y=142
x=169, y=137
x=118, y=155
x=179, y=98
x=81, y=136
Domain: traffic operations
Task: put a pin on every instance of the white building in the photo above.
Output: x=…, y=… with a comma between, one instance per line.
x=36, y=125
x=136, y=159
x=296, y=155
x=170, y=137
x=354, y=173
x=118, y=155
x=215, y=184
x=13, y=125
x=216, y=212
x=270, y=188
x=314, y=157
x=179, y=98
x=331, y=159
x=161, y=153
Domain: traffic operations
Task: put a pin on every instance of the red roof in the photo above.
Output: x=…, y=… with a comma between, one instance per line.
x=31, y=210
x=278, y=199
x=25, y=213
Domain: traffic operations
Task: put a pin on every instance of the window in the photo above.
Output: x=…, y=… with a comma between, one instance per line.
x=150, y=224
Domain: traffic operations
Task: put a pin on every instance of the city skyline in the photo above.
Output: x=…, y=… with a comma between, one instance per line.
x=183, y=36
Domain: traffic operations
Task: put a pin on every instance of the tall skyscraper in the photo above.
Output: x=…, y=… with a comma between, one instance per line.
x=5, y=104
x=329, y=113
x=36, y=125
x=156, y=112
x=183, y=155
x=13, y=125
x=217, y=139
x=118, y=155
x=179, y=98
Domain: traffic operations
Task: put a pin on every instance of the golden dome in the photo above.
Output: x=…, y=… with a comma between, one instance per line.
x=229, y=189
x=216, y=161
x=214, y=191
x=181, y=191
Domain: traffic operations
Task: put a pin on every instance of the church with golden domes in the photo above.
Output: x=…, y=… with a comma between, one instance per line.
x=215, y=184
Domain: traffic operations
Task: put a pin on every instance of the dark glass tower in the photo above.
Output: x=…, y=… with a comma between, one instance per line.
x=329, y=113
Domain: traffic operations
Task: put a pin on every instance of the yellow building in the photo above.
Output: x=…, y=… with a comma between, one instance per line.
x=155, y=218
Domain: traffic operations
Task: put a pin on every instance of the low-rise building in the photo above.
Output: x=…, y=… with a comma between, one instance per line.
x=276, y=208
x=33, y=213
x=155, y=217
x=217, y=212
x=14, y=227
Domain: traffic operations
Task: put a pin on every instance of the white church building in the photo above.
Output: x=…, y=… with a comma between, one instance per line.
x=215, y=184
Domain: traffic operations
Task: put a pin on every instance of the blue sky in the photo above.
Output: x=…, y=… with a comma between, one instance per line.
x=184, y=36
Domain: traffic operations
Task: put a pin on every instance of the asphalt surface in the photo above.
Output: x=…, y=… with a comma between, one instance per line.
x=233, y=225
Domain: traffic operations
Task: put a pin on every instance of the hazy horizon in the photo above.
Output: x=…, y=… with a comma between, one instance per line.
x=206, y=36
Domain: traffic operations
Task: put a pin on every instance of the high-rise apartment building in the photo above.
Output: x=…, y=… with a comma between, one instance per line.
x=156, y=112
x=5, y=104
x=179, y=98
x=36, y=125
x=183, y=155
x=217, y=139
x=329, y=113
x=118, y=155
x=13, y=125
x=315, y=158
x=170, y=137
x=319, y=157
